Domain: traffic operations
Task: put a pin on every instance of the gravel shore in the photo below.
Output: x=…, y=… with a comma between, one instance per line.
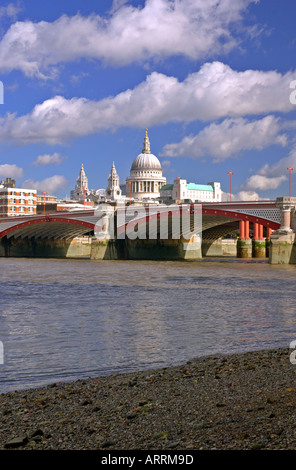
x=236, y=402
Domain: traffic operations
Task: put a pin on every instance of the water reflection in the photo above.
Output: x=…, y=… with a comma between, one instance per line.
x=64, y=319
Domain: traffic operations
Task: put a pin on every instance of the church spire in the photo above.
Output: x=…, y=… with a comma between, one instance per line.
x=146, y=143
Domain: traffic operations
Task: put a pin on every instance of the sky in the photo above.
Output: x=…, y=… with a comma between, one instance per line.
x=214, y=81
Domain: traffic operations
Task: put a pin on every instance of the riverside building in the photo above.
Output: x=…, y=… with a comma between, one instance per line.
x=17, y=201
x=180, y=190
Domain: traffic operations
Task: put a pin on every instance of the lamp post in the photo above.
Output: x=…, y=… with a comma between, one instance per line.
x=290, y=169
x=230, y=173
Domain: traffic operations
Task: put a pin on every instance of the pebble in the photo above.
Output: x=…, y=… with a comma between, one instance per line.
x=179, y=407
x=16, y=442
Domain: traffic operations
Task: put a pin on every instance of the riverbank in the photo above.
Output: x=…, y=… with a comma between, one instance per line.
x=241, y=401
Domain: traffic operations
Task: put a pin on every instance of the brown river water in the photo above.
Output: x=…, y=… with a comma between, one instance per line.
x=62, y=320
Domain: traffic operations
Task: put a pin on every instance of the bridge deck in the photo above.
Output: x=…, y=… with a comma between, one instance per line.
x=67, y=224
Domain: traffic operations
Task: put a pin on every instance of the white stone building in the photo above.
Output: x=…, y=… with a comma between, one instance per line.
x=145, y=180
x=180, y=190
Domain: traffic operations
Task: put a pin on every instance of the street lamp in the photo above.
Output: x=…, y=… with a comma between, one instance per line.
x=290, y=169
x=230, y=173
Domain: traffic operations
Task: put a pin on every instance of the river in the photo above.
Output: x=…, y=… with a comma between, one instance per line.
x=62, y=320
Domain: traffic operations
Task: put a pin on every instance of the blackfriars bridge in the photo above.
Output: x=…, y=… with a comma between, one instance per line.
x=264, y=229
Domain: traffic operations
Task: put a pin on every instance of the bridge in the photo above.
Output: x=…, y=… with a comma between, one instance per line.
x=218, y=218
x=58, y=234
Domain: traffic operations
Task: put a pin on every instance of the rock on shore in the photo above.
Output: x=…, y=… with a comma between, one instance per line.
x=240, y=401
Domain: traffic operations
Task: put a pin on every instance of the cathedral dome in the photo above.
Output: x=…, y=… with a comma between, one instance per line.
x=146, y=160
x=145, y=178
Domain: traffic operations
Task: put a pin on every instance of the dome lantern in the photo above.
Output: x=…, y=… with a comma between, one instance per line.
x=146, y=143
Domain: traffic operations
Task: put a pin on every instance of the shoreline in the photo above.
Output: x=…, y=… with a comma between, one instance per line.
x=240, y=401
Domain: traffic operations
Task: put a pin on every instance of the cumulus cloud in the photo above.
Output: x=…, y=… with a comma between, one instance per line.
x=50, y=185
x=10, y=171
x=264, y=182
x=279, y=167
x=241, y=196
x=48, y=159
x=160, y=28
x=272, y=176
x=214, y=92
x=248, y=196
x=229, y=138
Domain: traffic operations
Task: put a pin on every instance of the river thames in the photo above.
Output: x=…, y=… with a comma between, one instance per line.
x=62, y=320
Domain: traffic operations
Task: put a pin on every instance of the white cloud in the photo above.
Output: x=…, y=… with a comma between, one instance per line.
x=229, y=138
x=280, y=167
x=272, y=176
x=50, y=185
x=10, y=171
x=242, y=196
x=248, y=196
x=215, y=91
x=161, y=28
x=264, y=182
x=48, y=159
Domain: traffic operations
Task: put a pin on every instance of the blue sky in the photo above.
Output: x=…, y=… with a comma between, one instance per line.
x=210, y=79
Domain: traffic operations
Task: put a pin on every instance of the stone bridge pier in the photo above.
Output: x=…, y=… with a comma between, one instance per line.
x=282, y=241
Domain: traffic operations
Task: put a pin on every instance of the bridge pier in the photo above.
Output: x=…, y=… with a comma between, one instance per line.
x=283, y=248
x=103, y=249
x=282, y=241
x=244, y=243
x=258, y=242
x=244, y=248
